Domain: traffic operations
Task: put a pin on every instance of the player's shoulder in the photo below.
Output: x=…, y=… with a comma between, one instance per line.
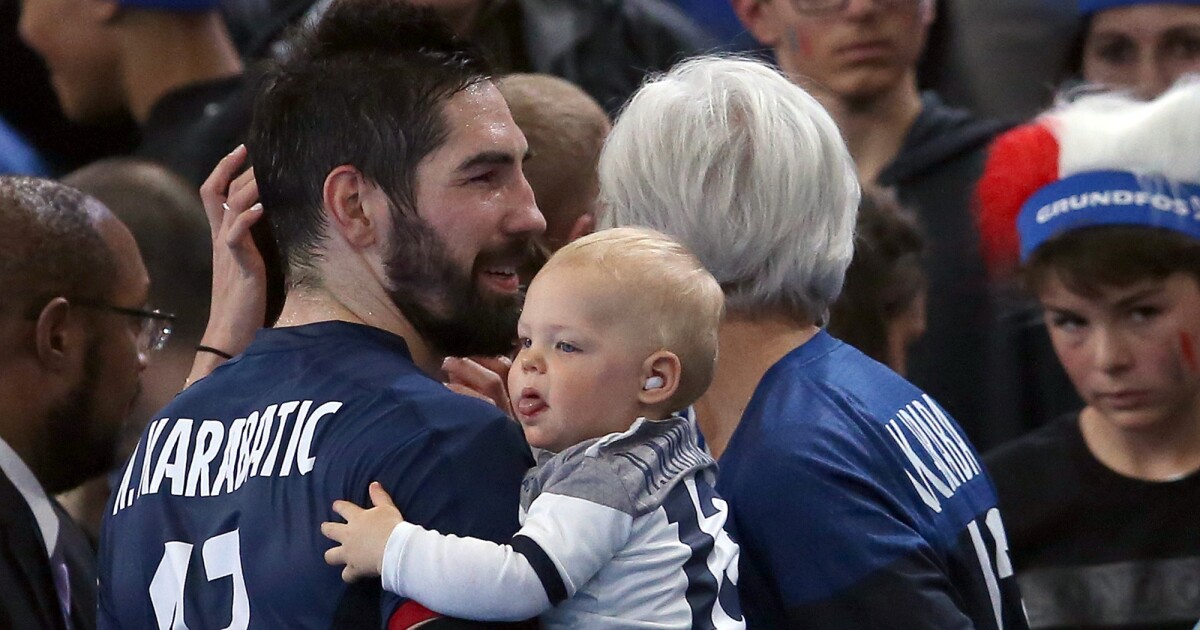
x=835, y=415
x=832, y=391
x=441, y=410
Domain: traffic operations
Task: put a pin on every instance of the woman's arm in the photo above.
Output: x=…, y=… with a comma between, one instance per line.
x=239, y=275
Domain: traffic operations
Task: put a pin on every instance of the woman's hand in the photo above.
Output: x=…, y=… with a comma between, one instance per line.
x=239, y=288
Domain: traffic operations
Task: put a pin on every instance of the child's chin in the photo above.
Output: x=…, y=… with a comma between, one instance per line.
x=536, y=440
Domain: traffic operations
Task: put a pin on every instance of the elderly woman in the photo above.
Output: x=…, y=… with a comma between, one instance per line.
x=856, y=499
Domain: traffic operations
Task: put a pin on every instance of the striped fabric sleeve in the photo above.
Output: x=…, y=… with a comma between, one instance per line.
x=467, y=578
x=565, y=541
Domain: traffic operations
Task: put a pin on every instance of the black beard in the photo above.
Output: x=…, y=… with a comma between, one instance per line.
x=441, y=301
x=80, y=445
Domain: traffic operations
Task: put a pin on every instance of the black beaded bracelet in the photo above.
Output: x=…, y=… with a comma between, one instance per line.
x=212, y=350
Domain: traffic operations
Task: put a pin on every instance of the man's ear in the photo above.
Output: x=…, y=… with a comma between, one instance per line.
x=758, y=16
x=58, y=335
x=660, y=378
x=349, y=200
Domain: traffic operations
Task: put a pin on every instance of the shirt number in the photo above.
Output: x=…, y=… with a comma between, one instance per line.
x=222, y=558
x=1003, y=566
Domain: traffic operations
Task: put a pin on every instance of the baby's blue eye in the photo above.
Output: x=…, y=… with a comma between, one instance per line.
x=566, y=346
x=525, y=342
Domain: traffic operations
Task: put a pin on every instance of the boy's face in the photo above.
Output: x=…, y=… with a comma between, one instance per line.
x=857, y=53
x=579, y=369
x=75, y=40
x=1132, y=353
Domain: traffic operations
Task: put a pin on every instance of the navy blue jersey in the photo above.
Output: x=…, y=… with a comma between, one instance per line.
x=215, y=522
x=858, y=503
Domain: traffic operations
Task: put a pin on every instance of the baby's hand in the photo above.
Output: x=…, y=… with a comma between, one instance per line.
x=363, y=536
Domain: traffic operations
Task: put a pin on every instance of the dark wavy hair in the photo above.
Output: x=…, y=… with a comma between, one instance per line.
x=365, y=87
x=1088, y=260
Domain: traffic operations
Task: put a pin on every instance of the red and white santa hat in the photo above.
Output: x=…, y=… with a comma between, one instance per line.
x=1104, y=159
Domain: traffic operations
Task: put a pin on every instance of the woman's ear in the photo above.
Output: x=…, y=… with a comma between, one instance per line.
x=660, y=378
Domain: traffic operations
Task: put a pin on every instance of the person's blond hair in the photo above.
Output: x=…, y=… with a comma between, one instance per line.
x=665, y=289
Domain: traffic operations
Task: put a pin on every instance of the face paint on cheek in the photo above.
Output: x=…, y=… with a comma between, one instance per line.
x=799, y=43
x=1187, y=350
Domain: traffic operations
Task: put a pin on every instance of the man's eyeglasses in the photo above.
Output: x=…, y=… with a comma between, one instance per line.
x=156, y=325
x=817, y=7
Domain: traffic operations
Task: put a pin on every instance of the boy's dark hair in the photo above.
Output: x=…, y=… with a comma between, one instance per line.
x=884, y=277
x=1088, y=260
x=364, y=87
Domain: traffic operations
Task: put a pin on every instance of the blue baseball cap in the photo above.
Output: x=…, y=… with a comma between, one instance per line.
x=1097, y=198
x=180, y=6
x=1087, y=7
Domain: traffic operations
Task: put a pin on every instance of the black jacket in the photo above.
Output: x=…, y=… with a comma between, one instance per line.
x=934, y=175
x=190, y=129
x=28, y=599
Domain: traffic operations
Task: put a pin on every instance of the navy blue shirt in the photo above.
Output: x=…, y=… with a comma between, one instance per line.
x=858, y=503
x=217, y=515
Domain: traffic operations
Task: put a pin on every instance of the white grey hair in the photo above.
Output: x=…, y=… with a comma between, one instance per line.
x=748, y=171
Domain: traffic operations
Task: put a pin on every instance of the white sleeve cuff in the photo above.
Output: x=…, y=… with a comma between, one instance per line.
x=392, y=556
x=461, y=577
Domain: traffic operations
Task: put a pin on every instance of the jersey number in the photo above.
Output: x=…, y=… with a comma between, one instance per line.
x=1003, y=566
x=222, y=558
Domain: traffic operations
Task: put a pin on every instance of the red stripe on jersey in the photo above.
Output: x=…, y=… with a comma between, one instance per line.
x=409, y=615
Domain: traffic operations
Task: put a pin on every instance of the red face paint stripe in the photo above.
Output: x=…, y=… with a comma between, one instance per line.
x=1188, y=348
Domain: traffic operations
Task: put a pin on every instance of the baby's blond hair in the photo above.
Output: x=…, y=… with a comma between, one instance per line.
x=665, y=290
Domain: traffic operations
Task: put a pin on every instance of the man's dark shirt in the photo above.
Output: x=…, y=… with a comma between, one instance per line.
x=217, y=515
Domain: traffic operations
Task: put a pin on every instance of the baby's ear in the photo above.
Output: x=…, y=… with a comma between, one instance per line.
x=660, y=378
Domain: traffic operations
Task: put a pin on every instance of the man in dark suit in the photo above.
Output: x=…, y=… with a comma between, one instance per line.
x=74, y=338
